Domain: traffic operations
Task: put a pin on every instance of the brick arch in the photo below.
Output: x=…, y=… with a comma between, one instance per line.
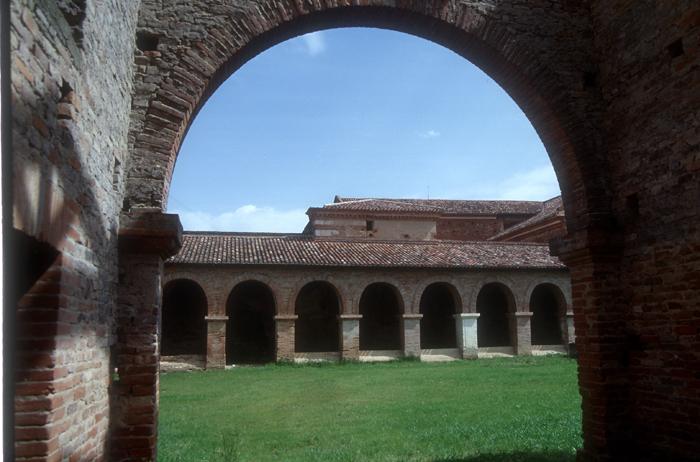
x=563, y=293
x=340, y=290
x=543, y=76
x=451, y=282
x=256, y=277
x=209, y=293
x=400, y=288
x=507, y=283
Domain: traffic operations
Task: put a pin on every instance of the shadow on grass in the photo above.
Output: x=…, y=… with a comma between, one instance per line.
x=554, y=456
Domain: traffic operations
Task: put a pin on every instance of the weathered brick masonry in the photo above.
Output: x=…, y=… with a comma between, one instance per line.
x=101, y=88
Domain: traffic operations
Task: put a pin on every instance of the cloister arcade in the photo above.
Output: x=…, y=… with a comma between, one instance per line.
x=303, y=314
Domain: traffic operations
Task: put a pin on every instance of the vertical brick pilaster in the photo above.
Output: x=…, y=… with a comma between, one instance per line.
x=410, y=340
x=216, y=342
x=284, y=324
x=134, y=408
x=522, y=337
x=467, y=334
x=601, y=346
x=146, y=238
x=350, y=336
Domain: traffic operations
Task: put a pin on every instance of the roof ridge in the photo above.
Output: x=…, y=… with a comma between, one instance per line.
x=361, y=240
x=238, y=233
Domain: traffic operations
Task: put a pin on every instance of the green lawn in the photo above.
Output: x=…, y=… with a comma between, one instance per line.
x=489, y=410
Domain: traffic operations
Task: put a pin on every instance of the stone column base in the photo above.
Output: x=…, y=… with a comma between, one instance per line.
x=216, y=341
x=350, y=336
x=410, y=340
x=284, y=324
x=467, y=335
x=523, y=339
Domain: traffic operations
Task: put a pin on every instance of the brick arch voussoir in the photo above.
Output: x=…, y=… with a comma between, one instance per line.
x=449, y=280
x=195, y=64
x=564, y=292
x=399, y=287
x=270, y=283
x=508, y=283
x=342, y=290
x=193, y=277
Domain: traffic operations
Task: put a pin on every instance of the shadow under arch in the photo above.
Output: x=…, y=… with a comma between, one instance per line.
x=381, y=306
x=439, y=303
x=563, y=116
x=548, y=306
x=317, y=329
x=250, y=329
x=496, y=306
x=184, y=329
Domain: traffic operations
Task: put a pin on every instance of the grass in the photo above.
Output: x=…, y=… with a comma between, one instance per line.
x=492, y=410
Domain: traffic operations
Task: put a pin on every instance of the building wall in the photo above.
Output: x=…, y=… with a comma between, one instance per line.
x=468, y=229
x=649, y=54
x=542, y=232
x=383, y=228
x=70, y=88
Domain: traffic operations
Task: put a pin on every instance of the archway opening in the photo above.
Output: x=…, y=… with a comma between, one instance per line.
x=547, y=310
x=184, y=330
x=380, y=327
x=438, y=305
x=495, y=307
x=250, y=330
x=317, y=327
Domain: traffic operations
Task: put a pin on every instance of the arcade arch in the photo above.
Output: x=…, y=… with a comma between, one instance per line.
x=439, y=304
x=495, y=304
x=250, y=329
x=184, y=330
x=317, y=329
x=381, y=307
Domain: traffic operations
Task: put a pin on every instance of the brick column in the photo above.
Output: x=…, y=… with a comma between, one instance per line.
x=570, y=333
x=410, y=340
x=216, y=341
x=522, y=337
x=350, y=336
x=284, y=324
x=467, y=335
x=602, y=345
x=146, y=238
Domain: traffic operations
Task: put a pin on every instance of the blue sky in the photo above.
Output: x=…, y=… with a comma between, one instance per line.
x=355, y=112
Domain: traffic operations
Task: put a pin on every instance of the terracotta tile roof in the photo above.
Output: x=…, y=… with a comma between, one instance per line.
x=551, y=208
x=300, y=250
x=437, y=206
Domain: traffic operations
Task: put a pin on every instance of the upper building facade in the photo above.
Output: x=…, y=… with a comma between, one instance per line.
x=428, y=219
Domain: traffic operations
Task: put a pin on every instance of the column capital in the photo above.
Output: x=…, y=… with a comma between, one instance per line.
x=350, y=317
x=216, y=318
x=286, y=317
x=523, y=313
x=466, y=315
x=570, y=313
x=148, y=231
x=412, y=316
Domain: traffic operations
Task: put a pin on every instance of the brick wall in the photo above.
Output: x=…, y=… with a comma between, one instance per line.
x=70, y=87
x=649, y=55
x=468, y=229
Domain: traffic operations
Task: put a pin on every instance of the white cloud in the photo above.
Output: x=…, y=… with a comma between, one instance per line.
x=249, y=218
x=537, y=184
x=315, y=43
x=429, y=134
